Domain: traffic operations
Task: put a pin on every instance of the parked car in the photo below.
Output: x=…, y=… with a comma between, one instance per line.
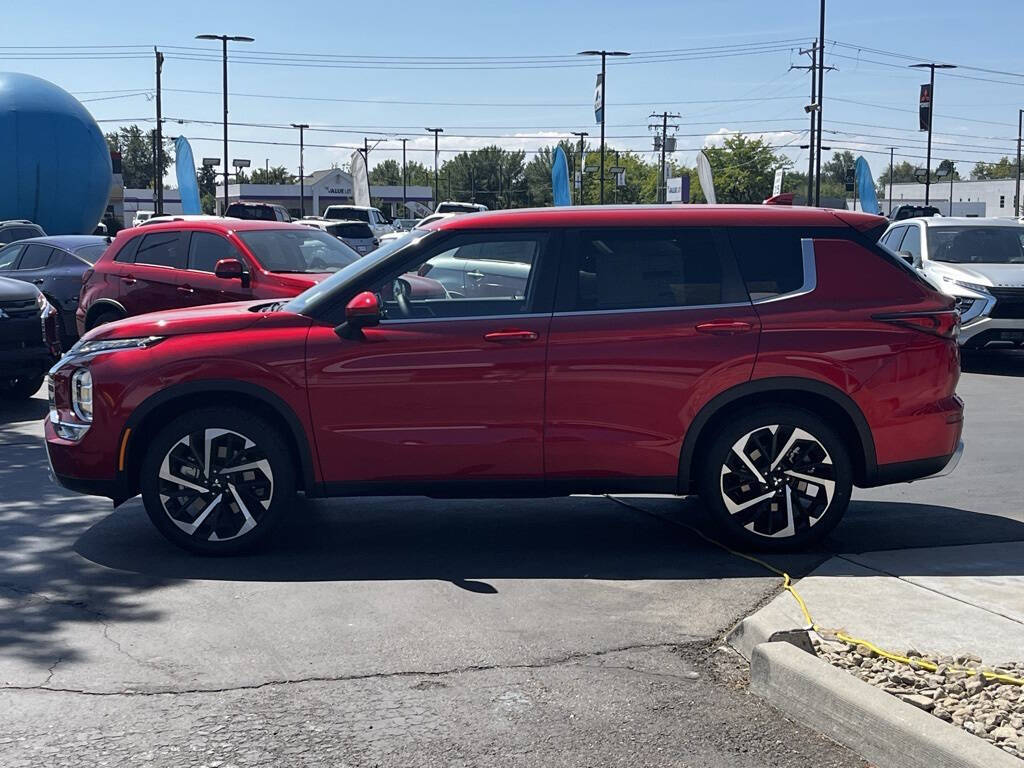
x=29, y=344
x=768, y=358
x=141, y=217
x=404, y=225
x=908, y=211
x=190, y=263
x=980, y=263
x=378, y=222
x=357, y=235
x=454, y=207
x=166, y=217
x=55, y=265
x=13, y=230
x=422, y=224
x=257, y=211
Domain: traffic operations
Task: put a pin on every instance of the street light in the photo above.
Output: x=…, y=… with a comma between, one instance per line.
x=1017, y=202
x=603, y=54
x=941, y=173
x=302, y=181
x=224, y=40
x=931, y=116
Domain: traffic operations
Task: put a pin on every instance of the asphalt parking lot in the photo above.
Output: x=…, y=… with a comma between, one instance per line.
x=409, y=631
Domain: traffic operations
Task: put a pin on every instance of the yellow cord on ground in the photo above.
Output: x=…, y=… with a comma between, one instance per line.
x=787, y=585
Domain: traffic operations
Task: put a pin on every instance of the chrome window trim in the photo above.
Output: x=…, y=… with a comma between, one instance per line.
x=524, y=316
x=730, y=305
x=810, y=275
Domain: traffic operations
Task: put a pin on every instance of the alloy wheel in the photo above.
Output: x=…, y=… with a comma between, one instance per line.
x=215, y=484
x=777, y=481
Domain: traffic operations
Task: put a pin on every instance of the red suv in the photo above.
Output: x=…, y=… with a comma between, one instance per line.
x=766, y=358
x=186, y=263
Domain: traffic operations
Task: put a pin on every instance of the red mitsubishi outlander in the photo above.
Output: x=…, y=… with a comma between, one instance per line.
x=766, y=358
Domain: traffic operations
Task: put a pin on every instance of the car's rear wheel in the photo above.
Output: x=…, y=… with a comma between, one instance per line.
x=776, y=478
x=21, y=388
x=217, y=481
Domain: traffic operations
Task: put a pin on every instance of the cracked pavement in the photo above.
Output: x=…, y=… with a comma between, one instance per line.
x=408, y=631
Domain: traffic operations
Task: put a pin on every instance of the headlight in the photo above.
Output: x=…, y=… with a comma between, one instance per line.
x=81, y=394
x=89, y=348
x=969, y=286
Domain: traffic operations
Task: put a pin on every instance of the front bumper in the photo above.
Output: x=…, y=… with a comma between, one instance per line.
x=68, y=461
x=995, y=332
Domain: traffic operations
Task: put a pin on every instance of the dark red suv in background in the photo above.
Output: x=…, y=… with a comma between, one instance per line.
x=188, y=263
x=766, y=358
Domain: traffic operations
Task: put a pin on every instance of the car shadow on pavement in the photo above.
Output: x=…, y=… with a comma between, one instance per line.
x=33, y=409
x=471, y=543
x=993, y=362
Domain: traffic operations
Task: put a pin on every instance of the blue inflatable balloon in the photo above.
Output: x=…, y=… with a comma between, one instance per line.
x=54, y=161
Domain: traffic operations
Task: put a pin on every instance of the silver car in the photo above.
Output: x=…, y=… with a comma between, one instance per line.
x=979, y=262
x=357, y=235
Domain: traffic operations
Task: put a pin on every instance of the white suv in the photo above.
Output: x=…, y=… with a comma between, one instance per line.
x=378, y=222
x=980, y=262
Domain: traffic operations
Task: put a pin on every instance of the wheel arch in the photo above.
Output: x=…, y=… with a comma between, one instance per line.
x=101, y=305
x=815, y=396
x=147, y=419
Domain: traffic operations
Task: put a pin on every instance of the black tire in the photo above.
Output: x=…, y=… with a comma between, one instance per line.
x=234, y=514
x=104, y=317
x=793, y=513
x=21, y=388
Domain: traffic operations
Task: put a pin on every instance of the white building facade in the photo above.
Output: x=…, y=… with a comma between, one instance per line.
x=970, y=198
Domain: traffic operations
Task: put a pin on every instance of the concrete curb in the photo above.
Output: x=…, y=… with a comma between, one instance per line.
x=869, y=721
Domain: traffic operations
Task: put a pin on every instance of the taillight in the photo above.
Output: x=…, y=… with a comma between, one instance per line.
x=944, y=323
x=86, y=275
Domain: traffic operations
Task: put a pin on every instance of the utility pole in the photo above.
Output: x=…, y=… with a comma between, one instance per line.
x=819, y=102
x=302, y=173
x=663, y=179
x=582, y=135
x=159, y=189
x=1017, y=202
x=892, y=150
x=812, y=109
x=952, y=173
x=604, y=54
x=931, y=117
x=156, y=170
x=436, y=131
x=224, y=39
x=405, y=201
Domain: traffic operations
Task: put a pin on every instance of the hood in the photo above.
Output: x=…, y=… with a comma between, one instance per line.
x=211, y=318
x=997, y=275
x=16, y=290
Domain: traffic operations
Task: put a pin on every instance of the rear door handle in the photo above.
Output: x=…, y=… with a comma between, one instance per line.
x=186, y=289
x=510, y=336
x=39, y=281
x=129, y=279
x=724, y=327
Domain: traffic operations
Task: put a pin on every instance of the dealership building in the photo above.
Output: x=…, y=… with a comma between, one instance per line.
x=970, y=198
x=329, y=187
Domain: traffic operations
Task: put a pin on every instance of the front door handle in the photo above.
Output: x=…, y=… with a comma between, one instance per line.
x=129, y=279
x=724, y=327
x=475, y=275
x=186, y=289
x=510, y=336
x=39, y=281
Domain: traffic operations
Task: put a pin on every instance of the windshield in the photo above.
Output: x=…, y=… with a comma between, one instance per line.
x=309, y=298
x=298, y=250
x=91, y=252
x=976, y=245
x=343, y=212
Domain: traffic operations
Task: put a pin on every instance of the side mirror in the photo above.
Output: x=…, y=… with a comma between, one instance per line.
x=229, y=269
x=363, y=311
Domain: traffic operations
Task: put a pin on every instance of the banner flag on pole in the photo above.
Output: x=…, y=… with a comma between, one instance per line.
x=598, y=99
x=560, y=178
x=185, y=171
x=866, y=187
x=360, y=179
x=924, y=110
x=707, y=184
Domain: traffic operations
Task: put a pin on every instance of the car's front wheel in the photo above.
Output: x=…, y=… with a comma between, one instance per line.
x=217, y=480
x=777, y=478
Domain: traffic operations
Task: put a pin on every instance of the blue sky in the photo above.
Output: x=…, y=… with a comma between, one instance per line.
x=871, y=99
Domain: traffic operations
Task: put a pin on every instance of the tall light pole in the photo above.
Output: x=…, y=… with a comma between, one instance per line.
x=603, y=54
x=302, y=174
x=931, y=117
x=582, y=135
x=159, y=140
x=436, y=131
x=1016, y=197
x=224, y=40
x=405, y=193
x=892, y=151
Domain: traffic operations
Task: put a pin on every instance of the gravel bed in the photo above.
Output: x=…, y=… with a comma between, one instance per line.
x=987, y=708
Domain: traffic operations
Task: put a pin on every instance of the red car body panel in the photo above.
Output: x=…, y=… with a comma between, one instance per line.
x=617, y=395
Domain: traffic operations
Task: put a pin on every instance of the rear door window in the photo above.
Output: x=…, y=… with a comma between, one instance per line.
x=769, y=258
x=161, y=249
x=206, y=249
x=35, y=256
x=912, y=242
x=623, y=269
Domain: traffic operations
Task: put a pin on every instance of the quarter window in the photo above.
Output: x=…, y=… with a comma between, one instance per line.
x=770, y=259
x=647, y=269
x=9, y=255
x=161, y=249
x=206, y=249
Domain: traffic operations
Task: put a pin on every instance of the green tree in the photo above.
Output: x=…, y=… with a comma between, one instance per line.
x=208, y=203
x=276, y=175
x=207, y=179
x=387, y=172
x=1004, y=168
x=136, y=149
x=491, y=175
x=743, y=170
